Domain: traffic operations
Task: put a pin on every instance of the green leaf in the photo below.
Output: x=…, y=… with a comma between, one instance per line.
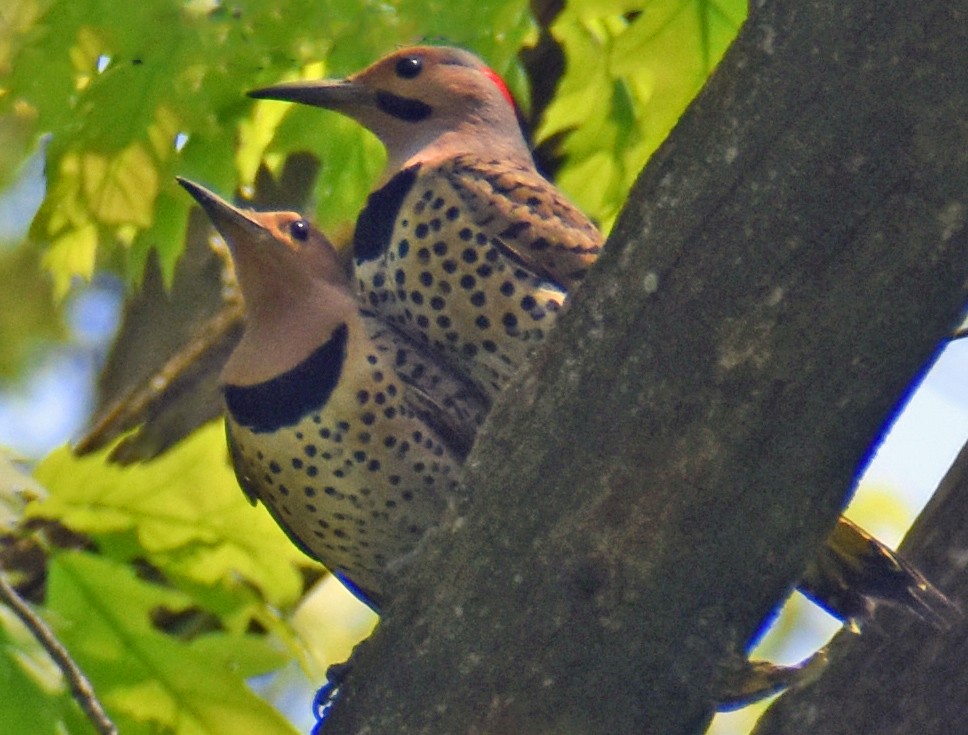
x=121, y=190
x=71, y=254
x=629, y=76
x=115, y=92
x=184, y=511
x=148, y=680
x=28, y=315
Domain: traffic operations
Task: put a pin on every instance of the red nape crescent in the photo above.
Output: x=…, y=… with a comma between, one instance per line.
x=496, y=78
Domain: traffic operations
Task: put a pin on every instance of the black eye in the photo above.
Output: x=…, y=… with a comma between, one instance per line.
x=299, y=229
x=409, y=66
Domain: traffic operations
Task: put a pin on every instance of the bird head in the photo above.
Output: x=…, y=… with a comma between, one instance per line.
x=421, y=102
x=295, y=288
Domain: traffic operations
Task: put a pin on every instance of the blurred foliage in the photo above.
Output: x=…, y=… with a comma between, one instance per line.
x=180, y=513
x=185, y=596
x=880, y=511
x=28, y=317
x=186, y=593
x=149, y=680
x=632, y=69
x=129, y=107
x=17, y=489
x=186, y=590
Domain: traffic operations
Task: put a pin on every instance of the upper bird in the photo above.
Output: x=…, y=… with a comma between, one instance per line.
x=349, y=433
x=464, y=244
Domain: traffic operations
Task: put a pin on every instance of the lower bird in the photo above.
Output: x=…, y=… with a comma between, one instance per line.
x=347, y=430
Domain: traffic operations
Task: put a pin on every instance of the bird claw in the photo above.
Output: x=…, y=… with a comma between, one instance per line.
x=326, y=695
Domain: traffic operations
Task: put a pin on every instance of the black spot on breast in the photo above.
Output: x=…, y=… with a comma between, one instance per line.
x=374, y=226
x=287, y=398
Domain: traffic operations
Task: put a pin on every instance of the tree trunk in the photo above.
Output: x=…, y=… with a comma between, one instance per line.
x=647, y=492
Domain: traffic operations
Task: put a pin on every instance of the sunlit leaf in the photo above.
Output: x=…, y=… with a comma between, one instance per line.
x=185, y=509
x=331, y=621
x=631, y=70
x=121, y=189
x=256, y=133
x=28, y=315
x=71, y=254
x=880, y=510
x=116, y=94
x=147, y=679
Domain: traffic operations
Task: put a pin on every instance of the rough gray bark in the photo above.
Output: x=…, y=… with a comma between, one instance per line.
x=648, y=491
x=901, y=676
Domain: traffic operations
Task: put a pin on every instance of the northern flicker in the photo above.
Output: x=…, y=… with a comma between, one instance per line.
x=342, y=426
x=465, y=245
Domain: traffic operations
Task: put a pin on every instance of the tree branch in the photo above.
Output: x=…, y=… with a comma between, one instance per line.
x=79, y=684
x=650, y=488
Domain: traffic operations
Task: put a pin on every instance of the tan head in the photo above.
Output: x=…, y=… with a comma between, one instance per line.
x=295, y=288
x=423, y=103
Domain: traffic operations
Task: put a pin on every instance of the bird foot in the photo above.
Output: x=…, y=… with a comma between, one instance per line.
x=326, y=695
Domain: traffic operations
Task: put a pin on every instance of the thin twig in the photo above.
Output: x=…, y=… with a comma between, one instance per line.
x=133, y=405
x=80, y=685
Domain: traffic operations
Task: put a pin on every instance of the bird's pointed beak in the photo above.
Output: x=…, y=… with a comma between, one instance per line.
x=235, y=225
x=331, y=94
